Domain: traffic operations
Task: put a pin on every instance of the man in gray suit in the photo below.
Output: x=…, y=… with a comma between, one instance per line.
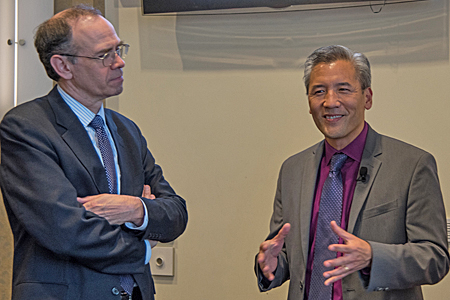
x=392, y=232
x=84, y=197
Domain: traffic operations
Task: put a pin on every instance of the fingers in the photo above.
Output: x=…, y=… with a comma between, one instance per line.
x=265, y=264
x=357, y=255
x=147, y=192
x=269, y=275
x=83, y=200
x=269, y=250
x=337, y=274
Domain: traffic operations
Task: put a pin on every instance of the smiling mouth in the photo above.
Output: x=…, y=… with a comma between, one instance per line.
x=333, y=117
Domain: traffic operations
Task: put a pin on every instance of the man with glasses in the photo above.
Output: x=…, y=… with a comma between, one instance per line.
x=84, y=197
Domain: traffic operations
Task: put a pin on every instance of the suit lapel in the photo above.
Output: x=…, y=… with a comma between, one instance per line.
x=309, y=175
x=77, y=139
x=369, y=160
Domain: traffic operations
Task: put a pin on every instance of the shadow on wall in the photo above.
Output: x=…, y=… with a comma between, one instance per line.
x=401, y=33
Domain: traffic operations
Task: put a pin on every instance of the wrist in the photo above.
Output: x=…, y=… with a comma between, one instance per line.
x=138, y=219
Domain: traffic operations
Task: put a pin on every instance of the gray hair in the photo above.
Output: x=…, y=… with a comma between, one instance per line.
x=334, y=53
x=54, y=36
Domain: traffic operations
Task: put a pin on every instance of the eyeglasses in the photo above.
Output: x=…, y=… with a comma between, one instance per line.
x=109, y=57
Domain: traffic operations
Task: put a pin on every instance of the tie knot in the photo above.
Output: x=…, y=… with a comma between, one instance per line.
x=337, y=161
x=97, y=122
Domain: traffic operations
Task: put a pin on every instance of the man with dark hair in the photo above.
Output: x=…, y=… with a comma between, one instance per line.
x=358, y=215
x=84, y=197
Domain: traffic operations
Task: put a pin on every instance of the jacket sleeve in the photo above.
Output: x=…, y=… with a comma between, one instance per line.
x=167, y=214
x=282, y=271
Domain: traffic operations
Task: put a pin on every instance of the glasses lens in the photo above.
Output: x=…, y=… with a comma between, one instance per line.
x=123, y=50
x=109, y=57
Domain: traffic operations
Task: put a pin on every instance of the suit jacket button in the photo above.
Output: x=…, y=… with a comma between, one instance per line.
x=115, y=291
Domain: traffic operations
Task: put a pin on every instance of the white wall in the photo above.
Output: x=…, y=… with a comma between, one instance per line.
x=222, y=104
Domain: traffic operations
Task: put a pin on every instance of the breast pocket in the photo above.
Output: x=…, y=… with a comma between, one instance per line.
x=380, y=209
x=384, y=223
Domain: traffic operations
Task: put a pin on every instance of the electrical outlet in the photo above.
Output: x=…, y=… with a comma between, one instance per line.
x=161, y=262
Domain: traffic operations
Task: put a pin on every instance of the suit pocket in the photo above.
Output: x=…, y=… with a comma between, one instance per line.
x=40, y=290
x=380, y=209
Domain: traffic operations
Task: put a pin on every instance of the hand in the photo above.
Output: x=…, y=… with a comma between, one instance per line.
x=357, y=255
x=147, y=193
x=117, y=209
x=269, y=250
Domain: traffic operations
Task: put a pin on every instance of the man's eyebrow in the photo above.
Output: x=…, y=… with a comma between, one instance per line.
x=103, y=51
x=343, y=84
x=317, y=86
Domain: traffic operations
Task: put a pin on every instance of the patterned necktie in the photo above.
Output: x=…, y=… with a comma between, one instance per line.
x=126, y=281
x=330, y=210
x=106, y=152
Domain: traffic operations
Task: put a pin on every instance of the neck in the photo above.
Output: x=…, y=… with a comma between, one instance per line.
x=93, y=105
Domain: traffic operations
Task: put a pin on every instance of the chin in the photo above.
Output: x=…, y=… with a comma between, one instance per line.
x=118, y=91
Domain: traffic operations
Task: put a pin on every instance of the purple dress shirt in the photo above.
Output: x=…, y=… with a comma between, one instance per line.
x=349, y=172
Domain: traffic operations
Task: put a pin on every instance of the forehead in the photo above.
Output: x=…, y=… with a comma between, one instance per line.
x=335, y=72
x=94, y=33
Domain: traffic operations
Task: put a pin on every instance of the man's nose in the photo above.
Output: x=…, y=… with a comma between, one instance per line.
x=118, y=62
x=331, y=99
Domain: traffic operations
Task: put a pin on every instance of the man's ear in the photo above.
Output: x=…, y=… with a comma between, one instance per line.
x=61, y=66
x=368, y=94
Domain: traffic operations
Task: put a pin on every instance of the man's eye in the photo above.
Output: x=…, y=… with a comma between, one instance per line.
x=318, y=92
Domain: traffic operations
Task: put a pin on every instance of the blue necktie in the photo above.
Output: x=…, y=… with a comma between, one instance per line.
x=126, y=281
x=106, y=152
x=330, y=210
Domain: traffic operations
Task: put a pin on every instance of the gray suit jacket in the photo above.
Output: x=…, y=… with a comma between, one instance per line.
x=398, y=210
x=62, y=251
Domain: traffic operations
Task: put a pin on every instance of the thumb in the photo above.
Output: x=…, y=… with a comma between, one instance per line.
x=340, y=232
x=284, y=231
x=82, y=200
x=146, y=192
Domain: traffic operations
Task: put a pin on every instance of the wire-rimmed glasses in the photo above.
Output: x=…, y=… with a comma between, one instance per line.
x=107, y=58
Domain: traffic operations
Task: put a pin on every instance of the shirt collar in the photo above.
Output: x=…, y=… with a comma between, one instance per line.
x=354, y=150
x=82, y=112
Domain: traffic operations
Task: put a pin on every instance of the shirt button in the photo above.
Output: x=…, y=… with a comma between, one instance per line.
x=115, y=291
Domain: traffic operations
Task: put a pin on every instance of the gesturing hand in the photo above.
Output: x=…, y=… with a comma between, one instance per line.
x=357, y=255
x=269, y=250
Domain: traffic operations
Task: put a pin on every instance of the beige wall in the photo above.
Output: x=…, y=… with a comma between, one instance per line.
x=221, y=133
